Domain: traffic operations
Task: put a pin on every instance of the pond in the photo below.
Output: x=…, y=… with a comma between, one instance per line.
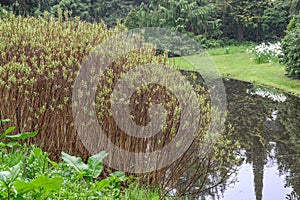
x=269, y=122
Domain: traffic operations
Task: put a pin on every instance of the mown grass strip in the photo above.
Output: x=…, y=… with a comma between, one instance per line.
x=241, y=66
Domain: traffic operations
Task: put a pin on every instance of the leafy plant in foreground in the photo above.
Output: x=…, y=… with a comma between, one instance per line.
x=13, y=185
x=8, y=143
x=105, y=188
x=37, y=177
x=26, y=177
x=89, y=171
x=13, y=139
x=26, y=172
x=40, y=187
x=7, y=179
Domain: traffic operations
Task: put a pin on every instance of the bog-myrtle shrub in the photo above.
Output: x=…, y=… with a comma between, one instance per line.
x=39, y=61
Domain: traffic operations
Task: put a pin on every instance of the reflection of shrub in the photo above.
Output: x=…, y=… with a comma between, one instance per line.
x=267, y=52
x=291, y=49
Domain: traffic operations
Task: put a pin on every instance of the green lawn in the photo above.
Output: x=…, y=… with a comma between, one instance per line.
x=240, y=66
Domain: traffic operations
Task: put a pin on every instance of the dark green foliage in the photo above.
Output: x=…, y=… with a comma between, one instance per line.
x=242, y=20
x=193, y=17
x=89, y=10
x=79, y=8
x=25, y=7
x=294, y=6
x=291, y=49
x=274, y=22
x=111, y=10
x=232, y=19
x=207, y=43
x=28, y=173
x=8, y=140
x=255, y=20
x=37, y=177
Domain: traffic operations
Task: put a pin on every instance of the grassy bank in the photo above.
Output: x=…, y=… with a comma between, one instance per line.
x=237, y=65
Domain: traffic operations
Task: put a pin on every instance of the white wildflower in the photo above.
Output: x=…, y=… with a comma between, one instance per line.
x=267, y=52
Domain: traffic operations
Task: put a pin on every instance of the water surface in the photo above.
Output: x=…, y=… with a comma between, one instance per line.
x=268, y=122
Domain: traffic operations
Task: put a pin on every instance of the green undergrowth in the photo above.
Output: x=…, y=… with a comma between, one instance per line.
x=26, y=172
x=229, y=49
x=240, y=65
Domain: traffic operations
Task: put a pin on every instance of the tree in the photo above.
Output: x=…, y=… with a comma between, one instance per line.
x=76, y=7
x=89, y=10
x=111, y=11
x=290, y=47
x=275, y=20
x=25, y=7
x=294, y=7
x=241, y=15
x=187, y=16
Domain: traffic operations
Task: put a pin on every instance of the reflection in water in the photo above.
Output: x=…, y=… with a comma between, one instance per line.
x=265, y=93
x=267, y=123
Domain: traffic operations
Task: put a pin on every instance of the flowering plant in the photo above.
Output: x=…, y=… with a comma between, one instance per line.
x=264, y=53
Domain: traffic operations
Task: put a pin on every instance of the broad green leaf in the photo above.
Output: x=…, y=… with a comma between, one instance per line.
x=13, y=144
x=118, y=174
x=155, y=198
x=41, y=182
x=22, y=187
x=7, y=131
x=102, y=184
x=23, y=136
x=2, y=145
x=15, y=171
x=6, y=120
x=5, y=176
x=48, y=184
x=75, y=162
x=36, y=152
x=95, y=164
x=19, y=197
x=11, y=175
x=54, y=164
